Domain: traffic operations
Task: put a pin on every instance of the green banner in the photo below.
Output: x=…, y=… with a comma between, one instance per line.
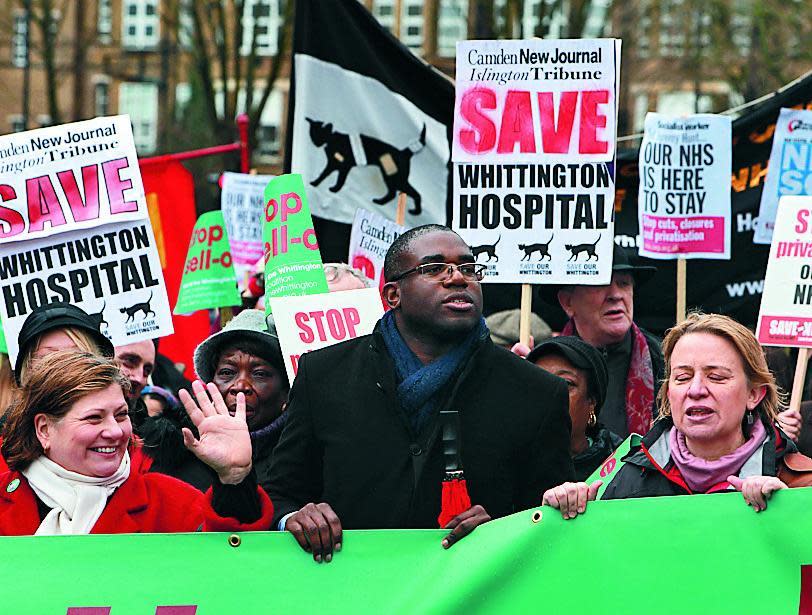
x=294, y=264
x=208, y=275
x=690, y=554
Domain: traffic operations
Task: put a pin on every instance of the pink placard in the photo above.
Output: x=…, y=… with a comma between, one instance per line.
x=785, y=331
x=668, y=235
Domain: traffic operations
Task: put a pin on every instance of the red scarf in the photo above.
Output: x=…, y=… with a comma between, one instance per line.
x=639, y=381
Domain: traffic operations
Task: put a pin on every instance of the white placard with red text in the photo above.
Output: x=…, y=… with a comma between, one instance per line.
x=684, y=197
x=112, y=272
x=533, y=150
x=74, y=227
x=371, y=236
x=785, y=315
x=310, y=322
x=68, y=177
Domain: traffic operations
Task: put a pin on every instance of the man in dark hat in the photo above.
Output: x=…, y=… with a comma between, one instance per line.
x=426, y=422
x=604, y=317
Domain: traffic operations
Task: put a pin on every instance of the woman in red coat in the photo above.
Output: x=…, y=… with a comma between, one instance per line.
x=66, y=442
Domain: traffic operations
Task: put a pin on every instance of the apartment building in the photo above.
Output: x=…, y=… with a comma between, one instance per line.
x=137, y=55
x=121, y=56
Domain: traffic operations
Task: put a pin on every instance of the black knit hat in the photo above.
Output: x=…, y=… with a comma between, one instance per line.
x=581, y=355
x=55, y=316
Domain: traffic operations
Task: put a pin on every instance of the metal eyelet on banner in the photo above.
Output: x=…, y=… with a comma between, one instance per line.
x=234, y=540
x=536, y=516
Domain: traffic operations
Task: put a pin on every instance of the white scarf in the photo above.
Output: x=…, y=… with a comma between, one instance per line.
x=77, y=501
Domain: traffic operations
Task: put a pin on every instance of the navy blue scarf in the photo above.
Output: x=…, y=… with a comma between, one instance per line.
x=420, y=386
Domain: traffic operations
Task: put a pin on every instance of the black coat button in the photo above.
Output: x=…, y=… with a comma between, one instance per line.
x=415, y=449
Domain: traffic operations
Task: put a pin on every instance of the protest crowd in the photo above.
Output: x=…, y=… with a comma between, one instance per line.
x=378, y=431
x=248, y=386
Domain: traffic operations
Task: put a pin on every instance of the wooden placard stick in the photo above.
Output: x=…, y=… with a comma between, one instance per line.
x=681, y=284
x=400, y=215
x=226, y=314
x=524, y=314
x=798, y=381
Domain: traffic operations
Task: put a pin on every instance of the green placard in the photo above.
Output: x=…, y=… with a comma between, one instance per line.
x=3, y=346
x=689, y=554
x=609, y=468
x=208, y=274
x=294, y=264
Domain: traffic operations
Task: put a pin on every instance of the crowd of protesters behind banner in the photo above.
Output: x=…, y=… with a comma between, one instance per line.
x=439, y=418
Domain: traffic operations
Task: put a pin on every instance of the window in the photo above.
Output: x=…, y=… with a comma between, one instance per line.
x=183, y=96
x=140, y=25
x=452, y=26
x=499, y=17
x=19, y=51
x=640, y=110
x=672, y=29
x=269, y=141
x=104, y=21
x=597, y=23
x=44, y=120
x=140, y=102
x=411, y=24
x=268, y=131
x=186, y=24
x=683, y=103
x=101, y=97
x=384, y=11
x=16, y=123
x=741, y=27
x=260, y=22
x=542, y=17
x=642, y=32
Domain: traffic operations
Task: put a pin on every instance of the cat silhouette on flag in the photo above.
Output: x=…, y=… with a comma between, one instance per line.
x=394, y=163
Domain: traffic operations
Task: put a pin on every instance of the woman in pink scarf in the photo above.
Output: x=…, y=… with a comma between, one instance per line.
x=716, y=430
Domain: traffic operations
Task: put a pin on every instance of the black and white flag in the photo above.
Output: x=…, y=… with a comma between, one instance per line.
x=367, y=118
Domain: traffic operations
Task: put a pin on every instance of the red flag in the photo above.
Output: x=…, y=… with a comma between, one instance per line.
x=173, y=215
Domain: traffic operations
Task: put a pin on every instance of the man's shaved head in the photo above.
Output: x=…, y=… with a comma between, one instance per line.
x=392, y=264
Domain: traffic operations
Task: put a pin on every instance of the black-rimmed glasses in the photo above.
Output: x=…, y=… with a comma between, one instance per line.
x=440, y=272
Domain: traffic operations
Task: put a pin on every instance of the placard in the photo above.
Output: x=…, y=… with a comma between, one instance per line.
x=208, y=273
x=685, y=167
x=242, y=201
x=67, y=177
x=785, y=315
x=371, y=236
x=316, y=321
x=789, y=170
x=533, y=151
x=112, y=272
x=294, y=264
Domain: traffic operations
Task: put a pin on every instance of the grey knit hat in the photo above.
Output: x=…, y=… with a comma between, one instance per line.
x=248, y=324
x=504, y=327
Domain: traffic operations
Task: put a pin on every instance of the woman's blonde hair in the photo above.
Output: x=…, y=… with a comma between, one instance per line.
x=746, y=345
x=83, y=340
x=54, y=384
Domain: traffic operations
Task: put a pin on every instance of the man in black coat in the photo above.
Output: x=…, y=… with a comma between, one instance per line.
x=377, y=424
